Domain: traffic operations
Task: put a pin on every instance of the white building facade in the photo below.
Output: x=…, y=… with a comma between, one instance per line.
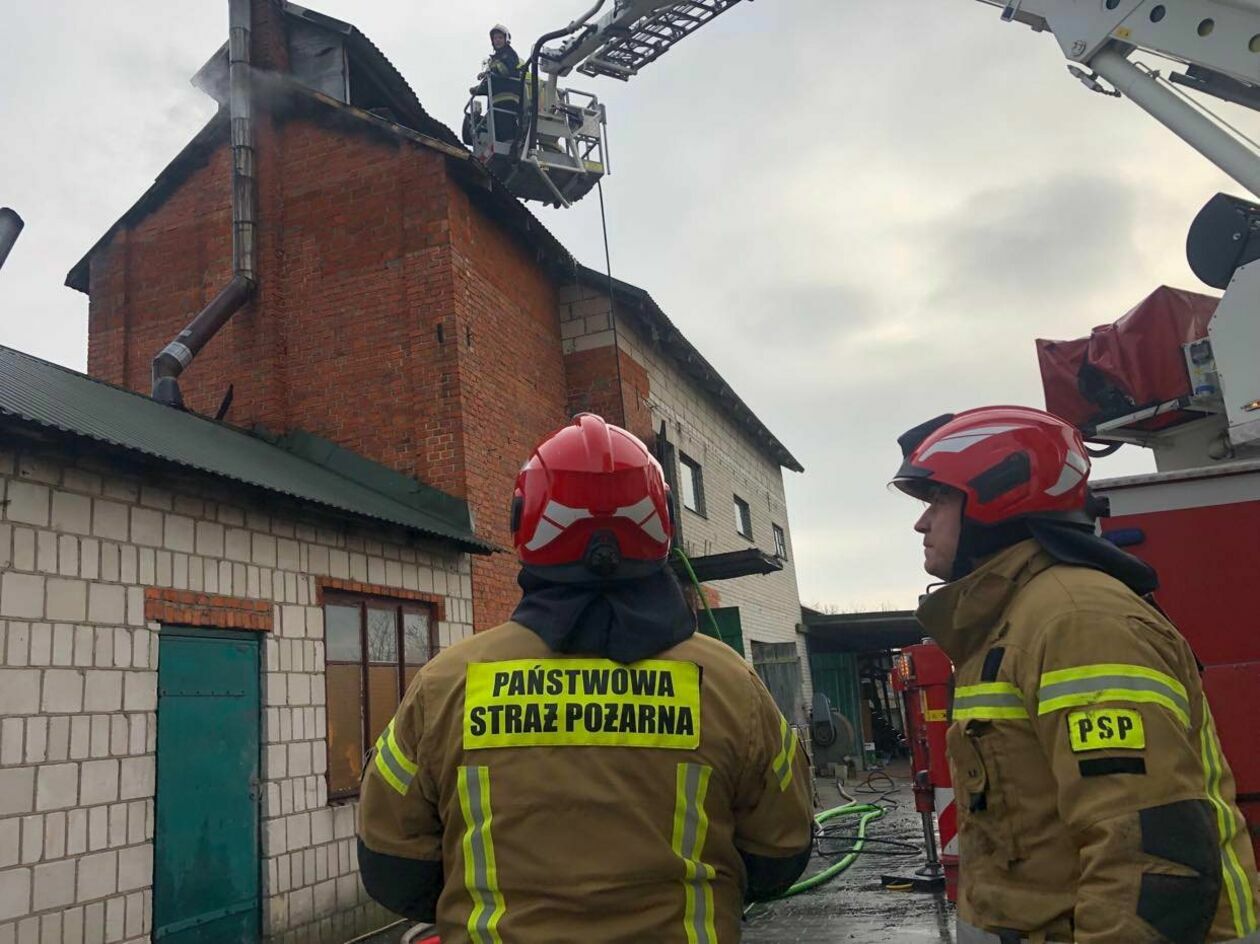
x=728, y=471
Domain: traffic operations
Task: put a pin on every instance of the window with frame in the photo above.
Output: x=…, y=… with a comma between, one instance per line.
x=373, y=649
x=780, y=542
x=743, y=518
x=691, y=483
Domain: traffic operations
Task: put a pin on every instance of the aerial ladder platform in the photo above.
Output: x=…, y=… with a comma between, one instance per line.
x=559, y=152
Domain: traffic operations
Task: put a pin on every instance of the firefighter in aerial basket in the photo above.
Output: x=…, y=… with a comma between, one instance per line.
x=502, y=81
x=1094, y=802
x=592, y=770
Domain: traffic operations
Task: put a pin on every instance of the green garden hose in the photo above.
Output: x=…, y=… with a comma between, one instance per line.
x=686, y=562
x=866, y=813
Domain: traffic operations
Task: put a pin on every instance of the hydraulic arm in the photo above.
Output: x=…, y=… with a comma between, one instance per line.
x=1218, y=39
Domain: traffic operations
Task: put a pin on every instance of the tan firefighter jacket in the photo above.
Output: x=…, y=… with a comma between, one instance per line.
x=576, y=800
x=1094, y=802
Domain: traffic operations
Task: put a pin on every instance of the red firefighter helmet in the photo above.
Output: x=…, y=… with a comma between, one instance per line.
x=1009, y=461
x=591, y=500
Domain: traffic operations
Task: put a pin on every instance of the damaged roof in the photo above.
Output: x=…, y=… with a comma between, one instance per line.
x=38, y=393
x=655, y=325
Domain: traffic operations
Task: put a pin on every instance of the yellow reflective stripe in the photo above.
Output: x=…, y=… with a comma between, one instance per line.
x=989, y=701
x=691, y=826
x=391, y=778
x=782, y=763
x=991, y=714
x=403, y=762
x=1109, y=682
x=391, y=763
x=987, y=688
x=481, y=876
x=1242, y=903
x=1112, y=668
x=1113, y=694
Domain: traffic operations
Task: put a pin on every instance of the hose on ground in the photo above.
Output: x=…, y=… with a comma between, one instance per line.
x=866, y=813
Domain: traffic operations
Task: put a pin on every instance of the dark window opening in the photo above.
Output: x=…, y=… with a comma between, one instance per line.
x=691, y=484
x=780, y=543
x=367, y=93
x=743, y=518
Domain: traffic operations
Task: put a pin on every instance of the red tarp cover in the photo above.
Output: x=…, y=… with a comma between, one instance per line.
x=1122, y=367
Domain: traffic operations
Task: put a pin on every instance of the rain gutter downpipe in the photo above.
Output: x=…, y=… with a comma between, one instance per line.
x=10, y=228
x=176, y=356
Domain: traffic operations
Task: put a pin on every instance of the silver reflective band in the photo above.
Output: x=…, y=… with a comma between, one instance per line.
x=691, y=826
x=480, y=872
x=1104, y=683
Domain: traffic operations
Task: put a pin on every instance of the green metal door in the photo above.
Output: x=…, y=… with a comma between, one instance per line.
x=729, y=628
x=835, y=674
x=206, y=868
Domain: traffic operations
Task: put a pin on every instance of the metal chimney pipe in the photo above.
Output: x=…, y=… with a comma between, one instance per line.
x=174, y=359
x=10, y=228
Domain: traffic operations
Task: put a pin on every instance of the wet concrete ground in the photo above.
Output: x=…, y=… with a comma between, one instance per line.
x=853, y=907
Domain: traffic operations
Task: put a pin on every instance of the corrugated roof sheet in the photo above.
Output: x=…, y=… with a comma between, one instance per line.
x=55, y=397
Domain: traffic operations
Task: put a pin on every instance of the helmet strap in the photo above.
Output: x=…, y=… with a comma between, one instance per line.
x=979, y=541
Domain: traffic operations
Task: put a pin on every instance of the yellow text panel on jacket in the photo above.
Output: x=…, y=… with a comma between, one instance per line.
x=1106, y=729
x=582, y=703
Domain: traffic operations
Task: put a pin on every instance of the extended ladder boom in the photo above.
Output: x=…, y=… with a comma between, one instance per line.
x=1218, y=39
x=634, y=34
x=1215, y=36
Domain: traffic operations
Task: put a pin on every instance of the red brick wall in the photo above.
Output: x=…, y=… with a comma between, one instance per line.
x=355, y=277
x=591, y=378
x=513, y=380
x=615, y=387
x=393, y=317
x=150, y=279
x=635, y=387
x=191, y=608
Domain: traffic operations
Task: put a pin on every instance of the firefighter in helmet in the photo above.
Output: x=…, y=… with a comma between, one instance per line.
x=502, y=82
x=1094, y=802
x=566, y=776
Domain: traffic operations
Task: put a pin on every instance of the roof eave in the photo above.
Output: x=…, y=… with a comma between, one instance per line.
x=469, y=544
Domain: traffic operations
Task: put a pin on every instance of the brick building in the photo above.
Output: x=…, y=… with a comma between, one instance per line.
x=179, y=620
x=414, y=332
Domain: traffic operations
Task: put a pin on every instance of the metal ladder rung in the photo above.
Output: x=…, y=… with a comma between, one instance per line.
x=652, y=36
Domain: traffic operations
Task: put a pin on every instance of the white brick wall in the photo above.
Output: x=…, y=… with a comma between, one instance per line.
x=78, y=692
x=731, y=464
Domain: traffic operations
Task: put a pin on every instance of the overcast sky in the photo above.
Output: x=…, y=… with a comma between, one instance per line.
x=861, y=211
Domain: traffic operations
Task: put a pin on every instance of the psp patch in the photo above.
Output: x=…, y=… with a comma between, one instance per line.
x=1106, y=729
x=582, y=703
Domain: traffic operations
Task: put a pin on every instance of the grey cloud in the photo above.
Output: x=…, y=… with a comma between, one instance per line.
x=1060, y=242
